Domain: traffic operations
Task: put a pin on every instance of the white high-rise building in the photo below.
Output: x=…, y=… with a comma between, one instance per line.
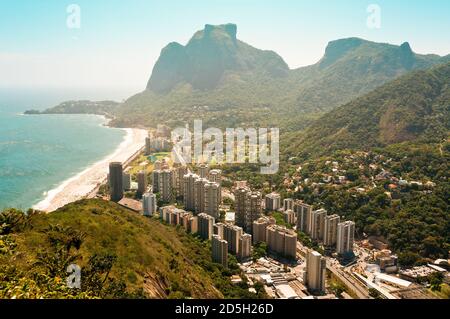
x=212, y=199
x=345, y=237
x=205, y=226
x=315, y=272
x=199, y=195
x=149, y=204
x=215, y=176
x=219, y=250
x=303, y=212
x=203, y=170
x=245, y=247
x=288, y=204
x=189, y=191
x=273, y=202
x=318, y=224
x=330, y=232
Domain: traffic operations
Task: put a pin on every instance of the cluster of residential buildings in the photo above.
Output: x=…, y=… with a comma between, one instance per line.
x=321, y=227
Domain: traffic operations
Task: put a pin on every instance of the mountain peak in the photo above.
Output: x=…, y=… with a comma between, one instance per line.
x=230, y=29
x=338, y=48
x=209, y=56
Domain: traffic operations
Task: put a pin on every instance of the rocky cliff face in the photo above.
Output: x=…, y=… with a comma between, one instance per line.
x=208, y=56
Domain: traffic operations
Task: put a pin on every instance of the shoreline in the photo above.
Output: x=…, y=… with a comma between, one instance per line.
x=84, y=183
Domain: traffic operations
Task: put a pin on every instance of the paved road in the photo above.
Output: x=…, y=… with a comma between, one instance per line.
x=351, y=282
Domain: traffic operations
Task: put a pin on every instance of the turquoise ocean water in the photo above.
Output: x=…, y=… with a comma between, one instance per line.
x=39, y=152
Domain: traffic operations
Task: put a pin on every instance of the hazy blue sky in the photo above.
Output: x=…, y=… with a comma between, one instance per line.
x=119, y=41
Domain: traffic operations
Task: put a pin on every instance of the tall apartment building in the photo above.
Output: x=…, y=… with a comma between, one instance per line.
x=253, y=210
x=345, y=237
x=240, y=195
x=218, y=229
x=156, y=180
x=149, y=204
x=288, y=204
x=199, y=195
x=126, y=184
x=260, y=227
x=189, y=191
x=303, y=212
x=142, y=182
x=273, y=202
x=315, y=272
x=148, y=145
x=330, y=230
x=215, y=176
x=245, y=247
x=165, y=185
x=232, y=234
x=219, y=251
x=178, y=181
x=289, y=216
x=318, y=224
x=212, y=199
x=116, y=181
x=203, y=170
x=282, y=241
x=205, y=226
x=193, y=225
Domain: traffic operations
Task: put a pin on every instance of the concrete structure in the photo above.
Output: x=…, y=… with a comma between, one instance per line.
x=199, y=195
x=345, y=237
x=165, y=185
x=178, y=182
x=240, y=194
x=317, y=224
x=219, y=251
x=303, y=212
x=203, y=170
x=149, y=204
x=215, y=176
x=218, y=229
x=156, y=179
x=315, y=272
x=288, y=203
x=232, y=234
x=193, y=225
x=212, y=199
x=115, y=181
x=205, y=226
x=273, y=202
x=253, y=210
x=282, y=241
x=245, y=247
x=142, y=182
x=330, y=230
x=148, y=146
x=189, y=191
x=289, y=216
x=126, y=184
x=260, y=228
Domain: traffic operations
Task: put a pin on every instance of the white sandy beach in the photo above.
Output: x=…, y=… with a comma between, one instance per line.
x=81, y=185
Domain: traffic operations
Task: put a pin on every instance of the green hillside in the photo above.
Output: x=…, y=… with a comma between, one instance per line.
x=414, y=107
x=121, y=254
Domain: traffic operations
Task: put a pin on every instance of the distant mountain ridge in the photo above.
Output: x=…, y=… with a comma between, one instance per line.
x=242, y=85
x=413, y=108
x=106, y=108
